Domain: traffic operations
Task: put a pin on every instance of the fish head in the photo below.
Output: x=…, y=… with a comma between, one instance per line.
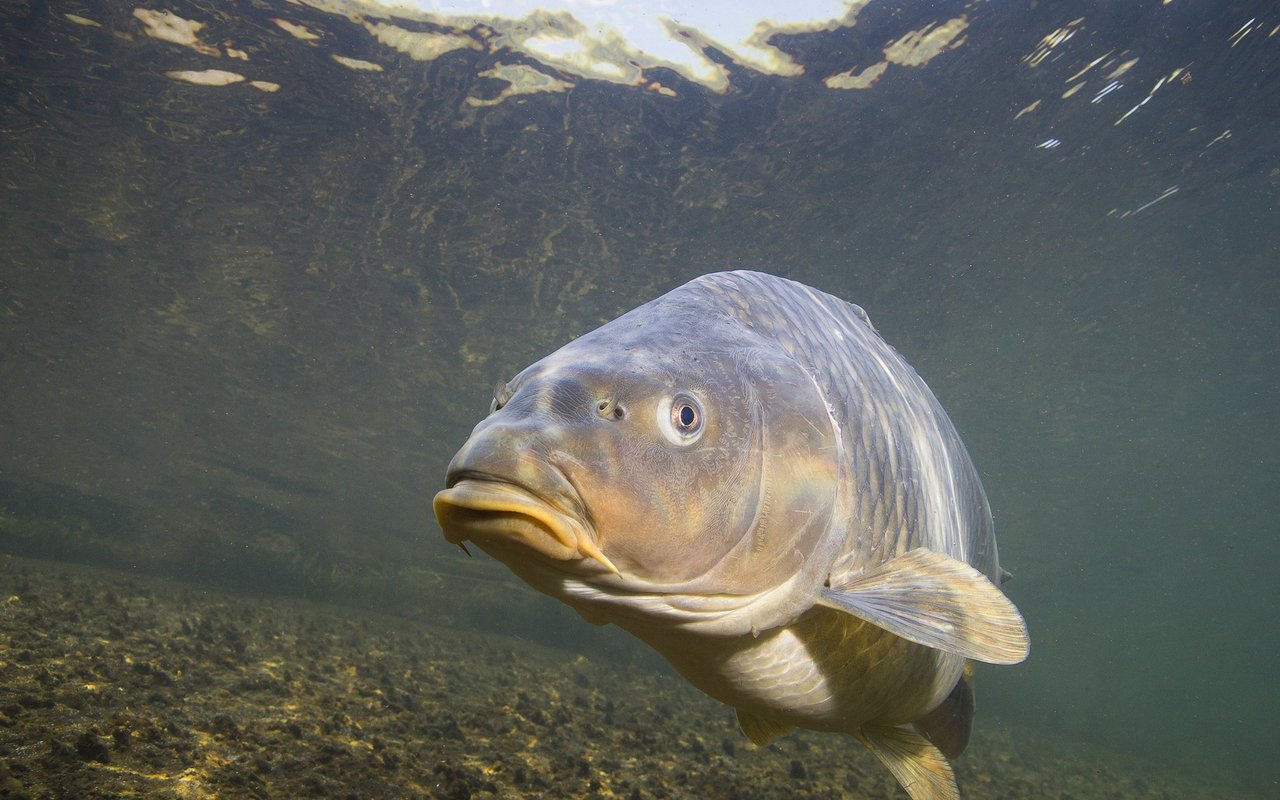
x=653, y=466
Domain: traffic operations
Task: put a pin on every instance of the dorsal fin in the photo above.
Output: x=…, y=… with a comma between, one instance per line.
x=861, y=313
x=948, y=726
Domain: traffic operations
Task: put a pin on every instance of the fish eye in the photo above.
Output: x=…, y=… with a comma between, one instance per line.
x=681, y=420
x=501, y=394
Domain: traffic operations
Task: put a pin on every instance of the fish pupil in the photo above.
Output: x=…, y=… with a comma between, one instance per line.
x=686, y=417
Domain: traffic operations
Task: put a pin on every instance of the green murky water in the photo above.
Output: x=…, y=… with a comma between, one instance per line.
x=243, y=328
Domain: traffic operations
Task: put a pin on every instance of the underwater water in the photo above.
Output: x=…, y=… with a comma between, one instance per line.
x=262, y=265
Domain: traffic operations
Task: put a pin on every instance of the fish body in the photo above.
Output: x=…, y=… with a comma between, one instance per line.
x=744, y=475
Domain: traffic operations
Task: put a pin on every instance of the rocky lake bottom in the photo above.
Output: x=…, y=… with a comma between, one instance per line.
x=113, y=686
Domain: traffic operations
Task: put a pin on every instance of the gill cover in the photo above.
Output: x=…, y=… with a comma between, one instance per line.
x=716, y=495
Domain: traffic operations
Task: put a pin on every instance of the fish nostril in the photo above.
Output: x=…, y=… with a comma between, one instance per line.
x=608, y=407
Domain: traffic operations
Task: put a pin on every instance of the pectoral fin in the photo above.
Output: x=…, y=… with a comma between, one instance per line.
x=937, y=601
x=759, y=730
x=918, y=765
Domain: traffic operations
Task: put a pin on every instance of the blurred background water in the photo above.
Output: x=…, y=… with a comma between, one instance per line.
x=244, y=326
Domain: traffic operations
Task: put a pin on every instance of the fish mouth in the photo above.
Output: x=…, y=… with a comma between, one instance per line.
x=485, y=509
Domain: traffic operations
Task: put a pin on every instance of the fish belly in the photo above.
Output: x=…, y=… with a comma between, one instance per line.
x=828, y=671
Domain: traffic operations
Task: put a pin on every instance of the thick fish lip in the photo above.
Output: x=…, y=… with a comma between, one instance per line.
x=486, y=508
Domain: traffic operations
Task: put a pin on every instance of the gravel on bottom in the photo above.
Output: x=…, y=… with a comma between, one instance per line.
x=115, y=686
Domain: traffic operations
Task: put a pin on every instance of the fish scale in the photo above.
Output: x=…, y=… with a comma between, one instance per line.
x=812, y=326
